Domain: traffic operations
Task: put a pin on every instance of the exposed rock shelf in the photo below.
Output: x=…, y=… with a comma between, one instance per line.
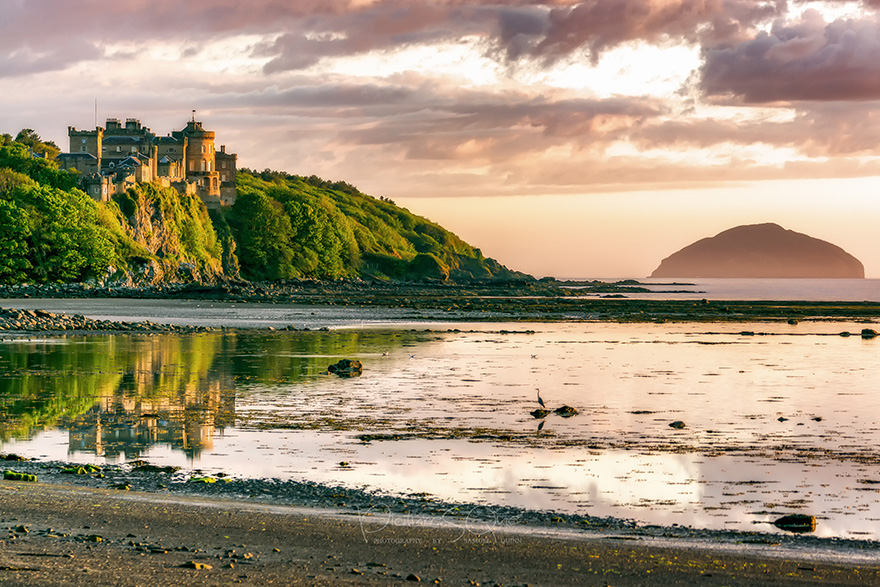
x=41, y=321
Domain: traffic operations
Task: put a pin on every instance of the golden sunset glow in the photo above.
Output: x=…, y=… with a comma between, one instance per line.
x=620, y=130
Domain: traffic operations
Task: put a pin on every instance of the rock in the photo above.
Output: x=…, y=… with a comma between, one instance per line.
x=13, y=476
x=413, y=577
x=797, y=523
x=869, y=333
x=196, y=565
x=759, y=251
x=346, y=368
x=540, y=413
x=565, y=411
x=678, y=425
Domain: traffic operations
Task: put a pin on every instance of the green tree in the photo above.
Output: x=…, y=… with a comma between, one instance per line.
x=14, y=234
x=262, y=231
x=16, y=157
x=28, y=137
x=67, y=243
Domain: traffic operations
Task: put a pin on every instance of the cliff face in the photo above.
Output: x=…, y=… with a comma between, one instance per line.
x=176, y=237
x=761, y=251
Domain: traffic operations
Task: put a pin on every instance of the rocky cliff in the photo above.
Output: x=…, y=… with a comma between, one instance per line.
x=761, y=251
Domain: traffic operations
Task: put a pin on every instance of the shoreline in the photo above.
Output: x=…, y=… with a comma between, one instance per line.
x=620, y=552
x=538, y=301
x=67, y=535
x=165, y=483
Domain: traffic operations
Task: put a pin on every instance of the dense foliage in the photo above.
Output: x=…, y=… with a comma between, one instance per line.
x=281, y=227
x=290, y=226
x=49, y=231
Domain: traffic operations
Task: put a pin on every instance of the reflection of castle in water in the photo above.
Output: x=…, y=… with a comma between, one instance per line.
x=146, y=410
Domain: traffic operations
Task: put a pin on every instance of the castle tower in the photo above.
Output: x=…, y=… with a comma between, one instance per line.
x=86, y=141
x=201, y=162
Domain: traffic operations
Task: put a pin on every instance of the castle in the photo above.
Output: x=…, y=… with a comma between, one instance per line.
x=116, y=157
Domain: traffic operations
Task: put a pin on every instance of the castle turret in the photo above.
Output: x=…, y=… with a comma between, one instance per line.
x=86, y=141
x=201, y=161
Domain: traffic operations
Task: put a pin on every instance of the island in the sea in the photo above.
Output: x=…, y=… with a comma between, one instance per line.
x=761, y=251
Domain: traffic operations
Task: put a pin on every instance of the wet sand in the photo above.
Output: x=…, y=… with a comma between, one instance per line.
x=66, y=535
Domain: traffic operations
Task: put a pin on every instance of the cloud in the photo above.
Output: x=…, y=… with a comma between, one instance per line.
x=415, y=130
x=597, y=25
x=515, y=31
x=26, y=60
x=806, y=60
x=300, y=34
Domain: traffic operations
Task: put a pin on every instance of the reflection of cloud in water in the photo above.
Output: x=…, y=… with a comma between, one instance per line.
x=240, y=402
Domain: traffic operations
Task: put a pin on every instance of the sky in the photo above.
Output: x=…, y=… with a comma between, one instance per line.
x=566, y=138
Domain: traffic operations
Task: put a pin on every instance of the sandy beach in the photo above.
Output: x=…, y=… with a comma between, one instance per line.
x=66, y=535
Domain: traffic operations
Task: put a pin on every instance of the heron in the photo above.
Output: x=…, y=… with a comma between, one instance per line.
x=540, y=401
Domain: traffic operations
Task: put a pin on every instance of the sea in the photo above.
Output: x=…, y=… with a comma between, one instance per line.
x=718, y=426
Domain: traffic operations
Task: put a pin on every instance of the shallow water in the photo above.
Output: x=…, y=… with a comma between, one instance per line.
x=448, y=413
x=830, y=290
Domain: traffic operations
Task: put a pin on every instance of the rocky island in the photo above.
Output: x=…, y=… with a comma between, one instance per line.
x=761, y=251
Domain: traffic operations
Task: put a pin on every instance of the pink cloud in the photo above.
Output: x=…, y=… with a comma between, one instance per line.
x=808, y=60
x=598, y=25
x=309, y=30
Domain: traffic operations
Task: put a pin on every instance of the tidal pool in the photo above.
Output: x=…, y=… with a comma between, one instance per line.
x=778, y=419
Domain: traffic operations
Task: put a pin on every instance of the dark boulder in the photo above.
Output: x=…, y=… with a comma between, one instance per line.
x=797, y=523
x=565, y=411
x=346, y=368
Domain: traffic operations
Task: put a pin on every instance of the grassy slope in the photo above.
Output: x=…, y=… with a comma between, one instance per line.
x=334, y=230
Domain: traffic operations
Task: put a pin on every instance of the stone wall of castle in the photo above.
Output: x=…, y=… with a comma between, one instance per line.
x=113, y=157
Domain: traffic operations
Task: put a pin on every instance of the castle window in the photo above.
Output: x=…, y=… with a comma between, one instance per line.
x=203, y=148
x=192, y=165
x=210, y=166
x=204, y=165
x=223, y=164
x=118, y=149
x=84, y=149
x=222, y=177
